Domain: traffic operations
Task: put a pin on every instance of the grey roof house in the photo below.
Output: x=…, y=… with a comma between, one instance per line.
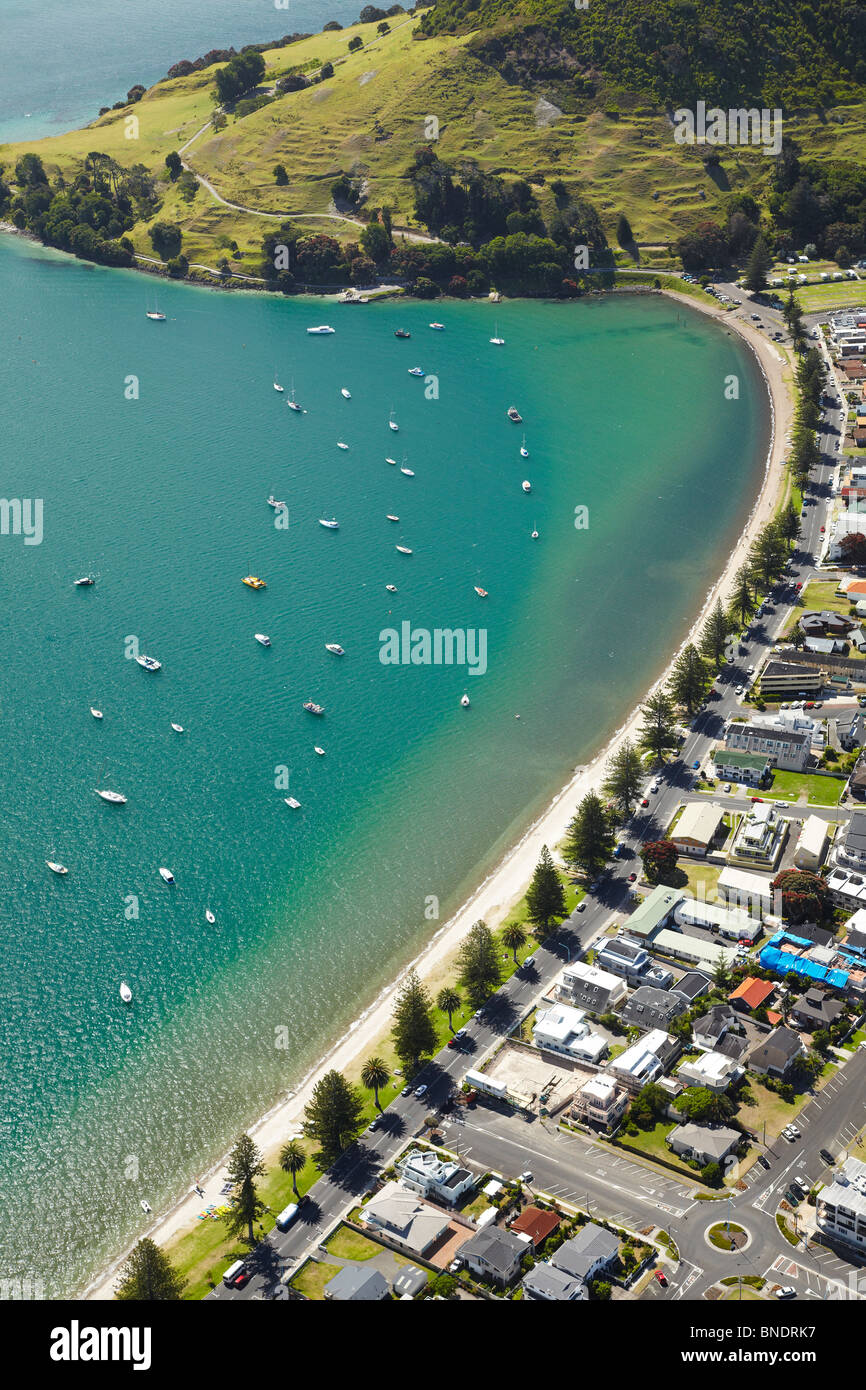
x=691, y=986
x=356, y=1284
x=776, y=1053
x=650, y=1008
x=709, y=1030
x=704, y=1143
x=494, y=1253
x=547, y=1284
x=815, y=1009
x=587, y=1254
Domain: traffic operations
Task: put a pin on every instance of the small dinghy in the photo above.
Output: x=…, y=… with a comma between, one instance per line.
x=347, y=395
x=392, y=588
x=178, y=728
x=293, y=802
x=464, y=700
x=97, y=713
x=317, y=749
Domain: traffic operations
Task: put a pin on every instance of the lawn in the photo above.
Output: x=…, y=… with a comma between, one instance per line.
x=821, y=593
x=652, y=1143
x=746, y=1294
x=347, y=1244
x=312, y=1277
x=700, y=874
x=838, y=294
x=817, y=791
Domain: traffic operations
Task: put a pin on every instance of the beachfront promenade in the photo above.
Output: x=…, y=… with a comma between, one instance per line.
x=355, y=1173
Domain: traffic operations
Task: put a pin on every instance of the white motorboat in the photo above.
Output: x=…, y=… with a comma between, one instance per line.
x=116, y=798
x=322, y=328
x=347, y=395
x=392, y=517
x=85, y=582
x=209, y=917
x=403, y=549
x=149, y=663
x=272, y=502
x=262, y=638
x=317, y=749
x=392, y=588
x=524, y=452
x=416, y=371
x=464, y=700
x=341, y=445
x=56, y=868
x=155, y=315
x=125, y=992
x=331, y=525
x=526, y=485
x=178, y=728
x=335, y=648
x=145, y=1207
x=438, y=326
x=292, y=801
x=514, y=415
x=166, y=875
x=97, y=713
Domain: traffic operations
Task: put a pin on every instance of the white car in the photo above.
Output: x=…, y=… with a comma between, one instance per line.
x=740, y=690
x=420, y=1091
x=654, y=786
x=786, y=1291
x=726, y=787
x=525, y=1177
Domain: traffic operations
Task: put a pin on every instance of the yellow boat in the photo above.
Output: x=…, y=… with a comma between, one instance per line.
x=253, y=582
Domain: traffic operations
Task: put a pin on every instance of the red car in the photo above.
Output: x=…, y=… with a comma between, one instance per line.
x=823, y=528
x=799, y=585
x=632, y=878
x=242, y=1278
x=644, y=802
x=661, y=1278
x=756, y=798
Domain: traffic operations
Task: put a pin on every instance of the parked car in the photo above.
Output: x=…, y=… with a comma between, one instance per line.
x=826, y=1155
x=581, y=906
x=632, y=878
x=726, y=787
x=661, y=1278
x=406, y=1091
x=644, y=802
x=525, y=1177
x=421, y=1091
x=786, y=1291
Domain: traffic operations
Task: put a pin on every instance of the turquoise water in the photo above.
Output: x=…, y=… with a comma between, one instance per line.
x=163, y=498
x=63, y=62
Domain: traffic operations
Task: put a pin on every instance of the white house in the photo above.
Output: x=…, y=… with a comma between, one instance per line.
x=714, y=1070
x=642, y=1061
x=811, y=844
x=429, y=1176
x=564, y=1029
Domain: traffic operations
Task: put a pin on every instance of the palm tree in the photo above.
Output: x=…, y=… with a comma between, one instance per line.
x=513, y=937
x=375, y=1073
x=448, y=1000
x=292, y=1161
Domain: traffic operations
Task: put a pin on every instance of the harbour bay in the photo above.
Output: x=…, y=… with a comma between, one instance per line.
x=163, y=498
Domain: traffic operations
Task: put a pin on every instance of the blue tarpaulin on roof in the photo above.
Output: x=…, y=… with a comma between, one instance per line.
x=782, y=936
x=784, y=963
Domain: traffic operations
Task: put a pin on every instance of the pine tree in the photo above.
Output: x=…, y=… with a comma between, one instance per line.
x=759, y=263
x=689, y=679
x=789, y=522
x=147, y=1275
x=657, y=734
x=623, y=231
x=244, y=1166
x=478, y=969
x=589, y=839
x=414, y=1031
x=333, y=1115
x=742, y=599
x=714, y=637
x=623, y=776
x=545, y=896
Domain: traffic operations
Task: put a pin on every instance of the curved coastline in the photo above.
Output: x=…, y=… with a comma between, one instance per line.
x=506, y=882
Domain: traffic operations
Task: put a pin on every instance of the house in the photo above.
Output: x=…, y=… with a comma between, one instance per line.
x=740, y=888
x=704, y=1143
x=692, y=985
x=846, y=524
x=354, y=1283
x=537, y=1224
x=494, y=1254
x=777, y=1053
x=781, y=679
x=600, y=1102
x=811, y=844
x=711, y=1027
x=825, y=623
x=650, y=1008
x=704, y=954
x=760, y=837
x=751, y=994
x=698, y=827
x=851, y=848
x=857, y=638
x=847, y=731
x=397, y=1214
x=564, y=1029
x=547, y=1284
x=814, y=1010
x=632, y=961
x=431, y=1177
x=409, y=1282
x=644, y=1061
x=857, y=780
x=784, y=747
x=827, y=646
x=729, y=922
x=587, y=987
x=714, y=1070
x=588, y=1254
x=840, y=1209
x=657, y=908
x=852, y=368
x=751, y=769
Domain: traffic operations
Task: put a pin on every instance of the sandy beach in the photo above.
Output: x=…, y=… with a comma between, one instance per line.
x=507, y=883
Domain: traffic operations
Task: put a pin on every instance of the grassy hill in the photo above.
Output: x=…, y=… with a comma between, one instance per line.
x=368, y=119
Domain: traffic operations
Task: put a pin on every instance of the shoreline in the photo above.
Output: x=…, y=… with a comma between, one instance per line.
x=507, y=880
